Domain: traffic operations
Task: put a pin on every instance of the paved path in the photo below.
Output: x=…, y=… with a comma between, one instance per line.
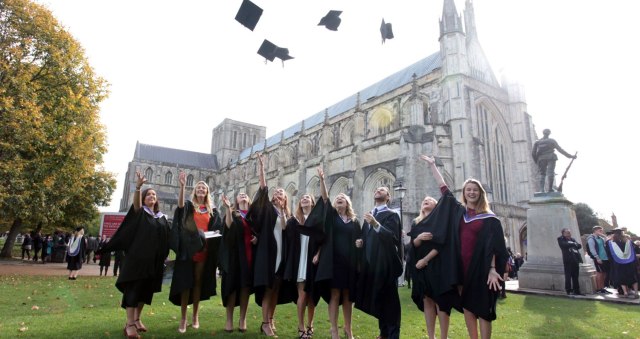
x=513, y=287
x=28, y=267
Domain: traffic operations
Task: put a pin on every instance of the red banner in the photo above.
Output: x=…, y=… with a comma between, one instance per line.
x=110, y=223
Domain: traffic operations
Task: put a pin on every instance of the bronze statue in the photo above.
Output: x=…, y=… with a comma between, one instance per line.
x=545, y=157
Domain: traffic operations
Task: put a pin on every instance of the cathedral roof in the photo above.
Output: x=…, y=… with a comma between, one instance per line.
x=386, y=85
x=175, y=156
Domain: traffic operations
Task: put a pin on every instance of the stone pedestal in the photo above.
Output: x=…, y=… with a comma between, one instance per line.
x=548, y=214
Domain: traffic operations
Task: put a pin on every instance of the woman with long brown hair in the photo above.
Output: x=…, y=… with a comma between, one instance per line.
x=236, y=261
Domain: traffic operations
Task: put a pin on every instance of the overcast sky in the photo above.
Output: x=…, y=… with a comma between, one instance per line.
x=178, y=68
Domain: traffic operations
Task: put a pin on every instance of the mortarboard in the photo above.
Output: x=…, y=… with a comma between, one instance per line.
x=331, y=21
x=270, y=51
x=249, y=14
x=386, y=31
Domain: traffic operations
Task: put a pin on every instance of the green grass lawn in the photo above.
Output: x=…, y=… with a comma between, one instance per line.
x=54, y=307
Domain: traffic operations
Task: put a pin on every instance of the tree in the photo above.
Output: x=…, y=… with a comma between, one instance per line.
x=586, y=218
x=51, y=139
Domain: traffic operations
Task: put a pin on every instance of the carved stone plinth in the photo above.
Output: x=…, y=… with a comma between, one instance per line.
x=548, y=215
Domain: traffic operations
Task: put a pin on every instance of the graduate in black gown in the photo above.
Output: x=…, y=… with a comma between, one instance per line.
x=337, y=273
x=194, y=272
x=304, y=238
x=144, y=237
x=427, y=239
x=268, y=218
x=236, y=260
x=474, y=256
x=377, y=289
x=105, y=258
x=75, y=252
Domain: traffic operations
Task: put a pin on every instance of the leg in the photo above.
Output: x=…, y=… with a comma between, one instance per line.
x=311, y=311
x=551, y=174
x=244, y=303
x=333, y=312
x=197, y=285
x=485, y=329
x=273, y=303
x=266, y=307
x=184, y=301
x=542, y=170
x=472, y=324
x=231, y=303
x=567, y=278
x=430, y=316
x=574, y=278
x=137, y=313
x=347, y=308
x=300, y=305
x=130, y=330
x=443, y=319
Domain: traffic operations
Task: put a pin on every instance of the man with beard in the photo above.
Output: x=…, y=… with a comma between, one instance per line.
x=377, y=292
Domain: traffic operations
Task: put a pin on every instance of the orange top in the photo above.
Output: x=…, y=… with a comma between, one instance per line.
x=202, y=222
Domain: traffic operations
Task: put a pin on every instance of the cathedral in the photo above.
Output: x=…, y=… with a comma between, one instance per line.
x=448, y=104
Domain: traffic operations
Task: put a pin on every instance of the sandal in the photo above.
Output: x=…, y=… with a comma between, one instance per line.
x=140, y=327
x=309, y=331
x=302, y=334
x=131, y=336
x=182, y=329
x=265, y=332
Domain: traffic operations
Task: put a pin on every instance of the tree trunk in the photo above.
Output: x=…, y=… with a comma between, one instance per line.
x=11, y=239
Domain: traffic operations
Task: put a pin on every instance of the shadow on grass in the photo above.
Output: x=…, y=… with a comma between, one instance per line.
x=558, y=317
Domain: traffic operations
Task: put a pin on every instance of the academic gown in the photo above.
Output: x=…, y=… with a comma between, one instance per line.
x=145, y=242
x=377, y=287
x=186, y=240
x=313, y=228
x=476, y=296
x=234, y=264
x=326, y=269
x=262, y=216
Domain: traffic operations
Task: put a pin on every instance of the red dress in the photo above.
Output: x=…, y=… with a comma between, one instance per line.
x=202, y=222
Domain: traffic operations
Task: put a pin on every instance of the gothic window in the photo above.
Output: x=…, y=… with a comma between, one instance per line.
x=254, y=139
x=382, y=120
x=189, y=180
x=346, y=136
x=493, y=143
x=209, y=181
x=244, y=140
x=148, y=174
x=234, y=140
x=168, y=178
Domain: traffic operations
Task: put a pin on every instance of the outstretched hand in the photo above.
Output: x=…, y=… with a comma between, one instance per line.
x=182, y=178
x=320, y=173
x=140, y=179
x=428, y=159
x=494, y=280
x=226, y=201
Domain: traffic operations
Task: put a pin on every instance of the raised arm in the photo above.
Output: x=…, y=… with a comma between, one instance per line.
x=434, y=169
x=182, y=179
x=263, y=181
x=137, y=198
x=227, y=211
x=323, y=185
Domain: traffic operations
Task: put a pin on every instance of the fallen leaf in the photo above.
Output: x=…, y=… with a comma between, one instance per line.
x=22, y=329
x=34, y=307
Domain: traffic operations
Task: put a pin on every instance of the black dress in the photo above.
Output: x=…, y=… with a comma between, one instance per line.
x=236, y=267
x=105, y=258
x=186, y=240
x=144, y=238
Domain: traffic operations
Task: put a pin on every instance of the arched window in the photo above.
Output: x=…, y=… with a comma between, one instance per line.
x=148, y=174
x=168, y=178
x=189, y=180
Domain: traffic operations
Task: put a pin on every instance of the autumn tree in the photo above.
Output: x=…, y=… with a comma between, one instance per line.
x=51, y=139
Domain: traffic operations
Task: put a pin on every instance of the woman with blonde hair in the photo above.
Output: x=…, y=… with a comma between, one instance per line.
x=474, y=255
x=236, y=261
x=304, y=238
x=338, y=265
x=424, y=266
x=194, y=273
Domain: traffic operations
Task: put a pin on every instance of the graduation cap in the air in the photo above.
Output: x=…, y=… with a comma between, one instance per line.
x=331, y=21
x=249, y=14
x=270, y=51
x=386, y=31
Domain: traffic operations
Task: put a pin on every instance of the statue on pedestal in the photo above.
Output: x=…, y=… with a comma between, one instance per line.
x=545, y=157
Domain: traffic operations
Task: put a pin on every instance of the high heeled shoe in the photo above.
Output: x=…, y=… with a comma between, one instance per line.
x=309, y=331
x=135, y=334
x=182, y=329
x=265, y=332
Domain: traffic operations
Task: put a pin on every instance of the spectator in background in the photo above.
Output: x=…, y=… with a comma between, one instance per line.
x=597, y=252
x=26, y=246
x=75, y=252
x=571, y=259
x=623, y=263
x=105, y=258
x=37, y=245
x=117, y=261
x=92, y=246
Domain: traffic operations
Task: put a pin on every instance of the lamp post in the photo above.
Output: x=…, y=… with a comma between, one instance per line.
x=400, y=192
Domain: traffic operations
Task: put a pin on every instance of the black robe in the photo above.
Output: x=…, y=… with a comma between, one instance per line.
x=105, y=258
x=324, y=274
x=313, y=228
x=145, y=242
x=377, y=287
x=234, y=264
x=262, y=216
x=476, y=296
x=75, y=263
x=186, y=240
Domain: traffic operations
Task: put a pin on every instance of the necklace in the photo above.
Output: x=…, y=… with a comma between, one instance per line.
x=202, y=209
